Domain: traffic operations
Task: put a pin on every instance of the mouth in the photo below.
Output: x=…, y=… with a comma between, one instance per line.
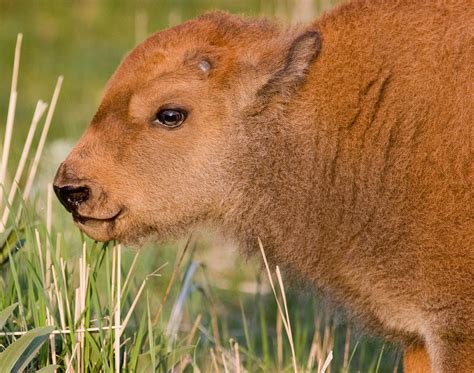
x=84, y=220
x=99, y=229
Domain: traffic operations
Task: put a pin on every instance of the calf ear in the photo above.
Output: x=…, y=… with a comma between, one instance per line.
x=301, y=53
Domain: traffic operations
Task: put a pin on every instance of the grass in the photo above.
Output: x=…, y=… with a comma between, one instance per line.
x=191, y=305
x=104, y=313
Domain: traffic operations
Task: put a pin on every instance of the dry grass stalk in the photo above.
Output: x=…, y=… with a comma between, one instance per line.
x=124, y=364
x=315, y=351
x=42, y=141
x=39, y=110
x=77, y=312
x=279, y=335
x=81, y=293
x=132, y=307
x=48, y=284
x=326, y=339
x=112, y=280
x=326, y=363
x=137, y=297
x=182, y=364
x=49, y=224
x=287, y=317
x=237, y=356
x=226, y=370
x=347, y=343
x=60, y=304
x=194, y=329
x=285, y=320
x=40, y=254
x=59, y=299
x=130, y=272
x=118, y=330
x=214, y=361
x=58, y=246
x=69, y=365
x=331, y=343
x=64, y=331
x=63, y=273
x=10, y=115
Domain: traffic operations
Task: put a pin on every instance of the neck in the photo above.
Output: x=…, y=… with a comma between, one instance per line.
x=275, y=200
x=298, y=193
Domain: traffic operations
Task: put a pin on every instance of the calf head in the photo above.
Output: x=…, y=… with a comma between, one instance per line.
x=160, y=153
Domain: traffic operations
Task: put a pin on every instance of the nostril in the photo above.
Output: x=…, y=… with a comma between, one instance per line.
x=71, y=196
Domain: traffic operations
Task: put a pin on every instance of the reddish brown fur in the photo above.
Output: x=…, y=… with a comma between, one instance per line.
x=345, y=145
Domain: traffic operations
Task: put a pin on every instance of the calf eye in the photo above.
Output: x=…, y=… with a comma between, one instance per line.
x=170, y=118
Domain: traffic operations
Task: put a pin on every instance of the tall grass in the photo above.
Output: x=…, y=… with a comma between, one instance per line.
x=110, y=308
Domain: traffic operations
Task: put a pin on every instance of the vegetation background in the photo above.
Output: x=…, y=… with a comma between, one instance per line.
x=220, y=313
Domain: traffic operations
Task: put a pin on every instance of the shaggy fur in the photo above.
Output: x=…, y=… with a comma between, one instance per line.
x=346, y=145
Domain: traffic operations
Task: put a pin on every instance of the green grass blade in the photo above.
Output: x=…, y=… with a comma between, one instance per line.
x=137, y=345
x=17, y=356
x=18, y=290
x=48, y=369
x=352, y=355
x=379, y=359
x=145, y=363
x=6, y=313
x=151, y=338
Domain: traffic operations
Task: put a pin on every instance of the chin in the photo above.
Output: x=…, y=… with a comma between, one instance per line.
x=133, y=235
x=98, y=230
x=133, y=232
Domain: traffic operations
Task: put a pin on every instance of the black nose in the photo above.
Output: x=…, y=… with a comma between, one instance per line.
x=71, y=196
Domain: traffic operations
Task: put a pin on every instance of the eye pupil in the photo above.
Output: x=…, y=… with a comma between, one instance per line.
x=170, y=118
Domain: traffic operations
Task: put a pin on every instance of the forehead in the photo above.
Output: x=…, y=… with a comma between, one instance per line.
x=161, y=55
x=219, y=34
x=163, y=52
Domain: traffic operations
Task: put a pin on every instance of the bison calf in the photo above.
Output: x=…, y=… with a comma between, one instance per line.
x=345, y=145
